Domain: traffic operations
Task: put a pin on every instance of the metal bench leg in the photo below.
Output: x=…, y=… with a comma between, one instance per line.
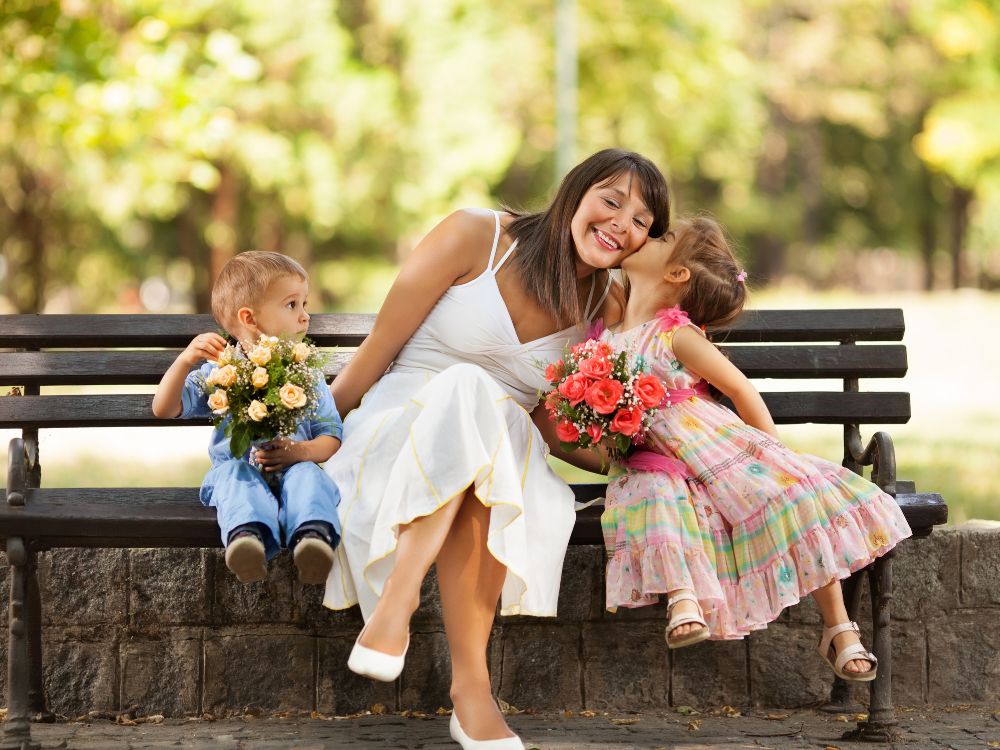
x=17, y=727
x=37, y=703
x=881, y=723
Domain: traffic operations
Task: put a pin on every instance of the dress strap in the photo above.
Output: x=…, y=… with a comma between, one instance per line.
x=600, y=301
x=496, y=239
x=505, y=256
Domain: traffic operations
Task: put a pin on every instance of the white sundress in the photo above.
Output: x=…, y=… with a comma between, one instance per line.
x=453, y=412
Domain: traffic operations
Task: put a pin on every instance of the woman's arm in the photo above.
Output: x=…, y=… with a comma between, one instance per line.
x=442, y=258
x=596, y=461
x=700, y=356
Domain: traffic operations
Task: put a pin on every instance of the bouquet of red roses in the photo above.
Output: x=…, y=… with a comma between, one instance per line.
x=600, y=396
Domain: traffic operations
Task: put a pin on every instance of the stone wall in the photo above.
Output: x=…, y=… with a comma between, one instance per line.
x=172, y=632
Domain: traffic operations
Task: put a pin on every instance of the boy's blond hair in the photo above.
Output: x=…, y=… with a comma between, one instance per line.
x=245, y=279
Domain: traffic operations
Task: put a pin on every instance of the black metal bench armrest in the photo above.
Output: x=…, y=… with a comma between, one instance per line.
x=17, y=472
x=880, y=454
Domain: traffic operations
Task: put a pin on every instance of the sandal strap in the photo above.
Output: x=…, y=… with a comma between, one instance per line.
x=680, y=597
x=852, y=652
x=830, y=632
x=676, y=622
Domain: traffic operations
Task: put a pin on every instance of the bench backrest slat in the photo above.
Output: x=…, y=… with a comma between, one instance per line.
x=134, y=410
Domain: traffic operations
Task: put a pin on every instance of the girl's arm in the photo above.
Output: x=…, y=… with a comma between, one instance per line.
x=441, y=259
x=702, y=358
x=167, y=399
x=586, y=459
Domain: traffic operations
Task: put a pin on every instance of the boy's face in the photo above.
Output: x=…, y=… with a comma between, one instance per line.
x=282, y=309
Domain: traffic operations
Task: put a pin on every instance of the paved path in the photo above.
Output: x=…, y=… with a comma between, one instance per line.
x=958, y=728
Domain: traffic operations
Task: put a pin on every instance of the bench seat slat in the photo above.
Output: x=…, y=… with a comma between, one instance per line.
x=349, y=329
x=134, y=410
x=923, y=511
x=147, y=367
x=173, y=516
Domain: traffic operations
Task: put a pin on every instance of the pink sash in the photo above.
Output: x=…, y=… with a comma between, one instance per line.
x=643, y=460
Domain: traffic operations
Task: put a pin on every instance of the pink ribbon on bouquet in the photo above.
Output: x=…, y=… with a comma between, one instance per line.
x=652, y=461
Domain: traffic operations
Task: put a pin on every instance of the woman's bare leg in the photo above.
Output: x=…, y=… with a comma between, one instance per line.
x=830, y=599
x=471, y=580
x=416, y=549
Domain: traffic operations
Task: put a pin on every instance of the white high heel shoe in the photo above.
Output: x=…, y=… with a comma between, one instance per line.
x=504, y=743
x=376, y=664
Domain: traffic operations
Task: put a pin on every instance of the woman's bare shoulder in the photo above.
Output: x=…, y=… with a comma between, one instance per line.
x=613, y=309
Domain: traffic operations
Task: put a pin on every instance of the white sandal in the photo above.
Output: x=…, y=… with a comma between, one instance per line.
x=695, y=636
x=854, y=651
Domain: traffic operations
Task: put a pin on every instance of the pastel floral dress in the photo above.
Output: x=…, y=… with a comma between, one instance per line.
x=750, y=526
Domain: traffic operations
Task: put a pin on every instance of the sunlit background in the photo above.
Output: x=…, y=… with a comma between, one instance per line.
x=852, y=148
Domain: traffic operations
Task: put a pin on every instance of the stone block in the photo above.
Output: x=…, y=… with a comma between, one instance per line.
x=541, y=666
x=260, y=668
x=785, y=670
x=83, y=586
x=340, y=691
x=625, y=667
x=981, y=568
x=80, y=670
x=926, y=575
x=426, y=678
x=963, y=659
x=161, y=676
x=310, y=612
x=656, y=612
x=711, y=673
x=269, y=601
x=909, y=663
x=168, y=587
x=804, y=613
x=581, y=592
x=429, y=615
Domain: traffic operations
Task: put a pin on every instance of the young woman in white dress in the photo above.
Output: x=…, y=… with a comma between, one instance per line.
x=443, y=461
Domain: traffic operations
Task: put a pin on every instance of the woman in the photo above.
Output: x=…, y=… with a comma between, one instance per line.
x=443, y=462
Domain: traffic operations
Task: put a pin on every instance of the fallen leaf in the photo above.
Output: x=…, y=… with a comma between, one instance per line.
x=588, y=714
x=687, y=711
x=318, y=715
x=378, y=709
x=861, y=717
x=508, y=710
x=443, y=711
x=831, y=747
x=567, y=713
x=777, y=717
x=694, y=725
x=731, y=712
x=843, y=717
x=125, y=721
x=621, y=722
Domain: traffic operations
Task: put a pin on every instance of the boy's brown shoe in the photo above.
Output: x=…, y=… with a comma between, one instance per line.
x=246, y=559
x=313, y=558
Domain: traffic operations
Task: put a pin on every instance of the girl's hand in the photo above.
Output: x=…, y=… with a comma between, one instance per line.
x=278, y=454
x=203, y=347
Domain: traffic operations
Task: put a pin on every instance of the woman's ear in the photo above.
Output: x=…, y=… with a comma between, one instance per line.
x=677, y=275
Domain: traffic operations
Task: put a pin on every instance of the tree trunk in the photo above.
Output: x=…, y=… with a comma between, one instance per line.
x=769, y=249
x=193, y=249
x=928, y=228
x=223, y=232
x=961, y=199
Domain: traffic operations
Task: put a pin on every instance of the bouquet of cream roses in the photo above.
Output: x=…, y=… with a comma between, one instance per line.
x=265, y=393
x=601, y=397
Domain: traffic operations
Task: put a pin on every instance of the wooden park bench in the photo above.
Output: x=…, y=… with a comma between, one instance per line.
x=127, y=350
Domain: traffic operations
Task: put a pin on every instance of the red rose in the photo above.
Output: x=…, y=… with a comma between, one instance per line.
x=649, y=389
x=552, y=402
x=555, y=371
x=627, y=421
x=574, y=387
x=566, y=431
x=595, y=367
x=595, y=433
x=604, y=395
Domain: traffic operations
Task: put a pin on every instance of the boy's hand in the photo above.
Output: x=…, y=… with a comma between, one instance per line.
x=204, y=346
x=278, y=454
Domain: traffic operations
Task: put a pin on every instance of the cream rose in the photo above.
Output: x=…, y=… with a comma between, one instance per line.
x=259, y=377
x=292, y=397
x=268, y=341
x=226, y=376
x=257, y=410
x=260, y=355
x=227, y=355
x=218, y=402
x=212, y=377
x=300, y=352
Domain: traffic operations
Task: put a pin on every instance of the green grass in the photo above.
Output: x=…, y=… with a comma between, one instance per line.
x=951, y=445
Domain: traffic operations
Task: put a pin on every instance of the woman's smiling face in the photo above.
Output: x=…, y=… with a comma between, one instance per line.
x=611, y=222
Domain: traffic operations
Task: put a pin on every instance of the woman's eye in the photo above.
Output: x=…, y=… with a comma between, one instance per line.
x=610, y=203
x=640, y=223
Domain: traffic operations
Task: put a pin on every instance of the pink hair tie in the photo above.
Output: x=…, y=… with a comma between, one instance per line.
x=741, y=276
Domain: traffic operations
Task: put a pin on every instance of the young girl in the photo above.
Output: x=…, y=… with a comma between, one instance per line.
x=716, y=512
